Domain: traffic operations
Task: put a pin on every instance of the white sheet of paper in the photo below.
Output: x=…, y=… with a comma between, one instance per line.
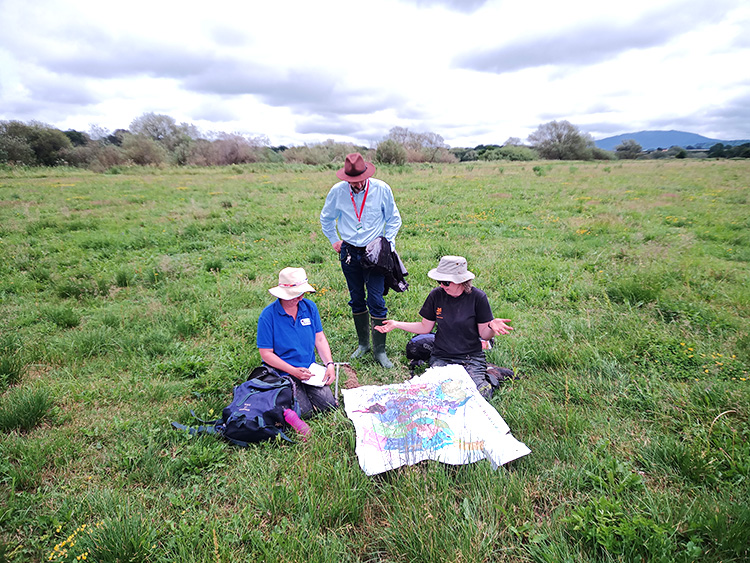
x=318, y=377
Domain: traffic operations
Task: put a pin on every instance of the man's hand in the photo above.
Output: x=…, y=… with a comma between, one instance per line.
x=337, y=246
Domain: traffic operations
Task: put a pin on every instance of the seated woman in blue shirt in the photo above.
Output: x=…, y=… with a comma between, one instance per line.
x=289, y=333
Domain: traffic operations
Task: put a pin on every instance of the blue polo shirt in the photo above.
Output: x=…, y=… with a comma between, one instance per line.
x=291, y=340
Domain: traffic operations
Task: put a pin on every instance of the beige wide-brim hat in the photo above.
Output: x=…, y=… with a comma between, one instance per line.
x=292, y=283
x=452, y=269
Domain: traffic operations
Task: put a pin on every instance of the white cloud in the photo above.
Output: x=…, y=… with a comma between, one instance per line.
x=476, y=71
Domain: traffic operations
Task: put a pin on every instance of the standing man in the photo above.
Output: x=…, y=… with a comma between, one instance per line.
x=358, y=210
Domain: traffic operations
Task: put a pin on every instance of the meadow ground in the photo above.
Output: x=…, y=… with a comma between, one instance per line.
x=129, y=298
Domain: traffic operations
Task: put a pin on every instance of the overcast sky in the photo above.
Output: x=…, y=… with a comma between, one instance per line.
x=301, y=71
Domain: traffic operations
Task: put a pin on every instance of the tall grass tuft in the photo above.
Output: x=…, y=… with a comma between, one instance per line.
x=11, y=362
x=213, y=265
x=125, y=535
x=123, y=278
x=24, y=460
x=23, y=409
x=64, y=317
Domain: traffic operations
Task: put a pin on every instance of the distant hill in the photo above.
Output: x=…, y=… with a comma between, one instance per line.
x=651, y=140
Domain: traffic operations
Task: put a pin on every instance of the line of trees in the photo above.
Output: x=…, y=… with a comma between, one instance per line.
x=157, y=140
x=630, y=149
x=151, y=139
x=720, y=150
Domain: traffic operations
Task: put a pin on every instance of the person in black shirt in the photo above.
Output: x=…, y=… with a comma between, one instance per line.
x=463, y=317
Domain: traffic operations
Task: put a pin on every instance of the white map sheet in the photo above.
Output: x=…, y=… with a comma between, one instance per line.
x=439, y=415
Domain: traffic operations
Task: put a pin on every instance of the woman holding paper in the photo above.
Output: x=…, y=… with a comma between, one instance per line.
x=289, y=333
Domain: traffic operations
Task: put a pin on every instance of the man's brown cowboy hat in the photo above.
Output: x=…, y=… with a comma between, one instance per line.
x=355, y=168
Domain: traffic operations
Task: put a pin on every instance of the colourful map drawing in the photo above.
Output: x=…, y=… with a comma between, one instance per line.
x=411, y=419
x=439, y=415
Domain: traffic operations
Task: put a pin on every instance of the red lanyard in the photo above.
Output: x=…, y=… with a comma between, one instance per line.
x=358, y=214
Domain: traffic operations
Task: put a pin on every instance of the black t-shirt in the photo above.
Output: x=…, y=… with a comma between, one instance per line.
x=457, y=319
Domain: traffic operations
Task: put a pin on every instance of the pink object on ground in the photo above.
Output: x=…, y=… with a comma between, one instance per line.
x=293, y=419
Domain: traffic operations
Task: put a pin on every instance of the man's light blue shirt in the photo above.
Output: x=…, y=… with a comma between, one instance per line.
x=380, y=216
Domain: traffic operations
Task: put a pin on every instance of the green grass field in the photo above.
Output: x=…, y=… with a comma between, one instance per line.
x=128, y=299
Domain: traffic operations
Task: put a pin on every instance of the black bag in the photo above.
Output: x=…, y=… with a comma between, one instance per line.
x=419, y=350
x=256, y=412
x=497, y=375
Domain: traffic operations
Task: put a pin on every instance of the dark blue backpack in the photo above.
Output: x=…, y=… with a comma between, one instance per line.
x=256, y=412
x=419, y=350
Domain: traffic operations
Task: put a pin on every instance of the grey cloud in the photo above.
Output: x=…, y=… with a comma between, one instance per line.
x=132, y=60
x=591, y=43
x=214, y=112
x=365, y=100
x=451, y=130
x=606, y=129
x=599, y=107
x=51, y=93
x=548, y=116
x=581, y=47
x=35, y=110
x=465, y=6
x=413, y=111
x=21, y=110
x=364, y=133
x=230, y=36
x=233, y=78
x=303, y=91
x=90, y=52
x=322, y=126
x=728, y=122
x=62, y=90
x=741, y=41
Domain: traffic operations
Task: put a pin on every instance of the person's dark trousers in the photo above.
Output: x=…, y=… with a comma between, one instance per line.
x=365, y=286
x=475, y=365
x=366, y=289
x=313, y=399
x=310, y=399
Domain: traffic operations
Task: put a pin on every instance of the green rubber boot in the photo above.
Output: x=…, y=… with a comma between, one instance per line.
x=362, y=324
x=378, y=345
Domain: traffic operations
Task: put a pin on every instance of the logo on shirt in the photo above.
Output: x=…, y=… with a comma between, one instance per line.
x=304, y=322
x=439, y=312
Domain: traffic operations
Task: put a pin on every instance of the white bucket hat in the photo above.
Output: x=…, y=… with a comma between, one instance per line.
x=452, y=269
x=292, y=283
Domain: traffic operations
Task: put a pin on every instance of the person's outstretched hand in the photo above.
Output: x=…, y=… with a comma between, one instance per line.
x=500, y=326
x=386, y=327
